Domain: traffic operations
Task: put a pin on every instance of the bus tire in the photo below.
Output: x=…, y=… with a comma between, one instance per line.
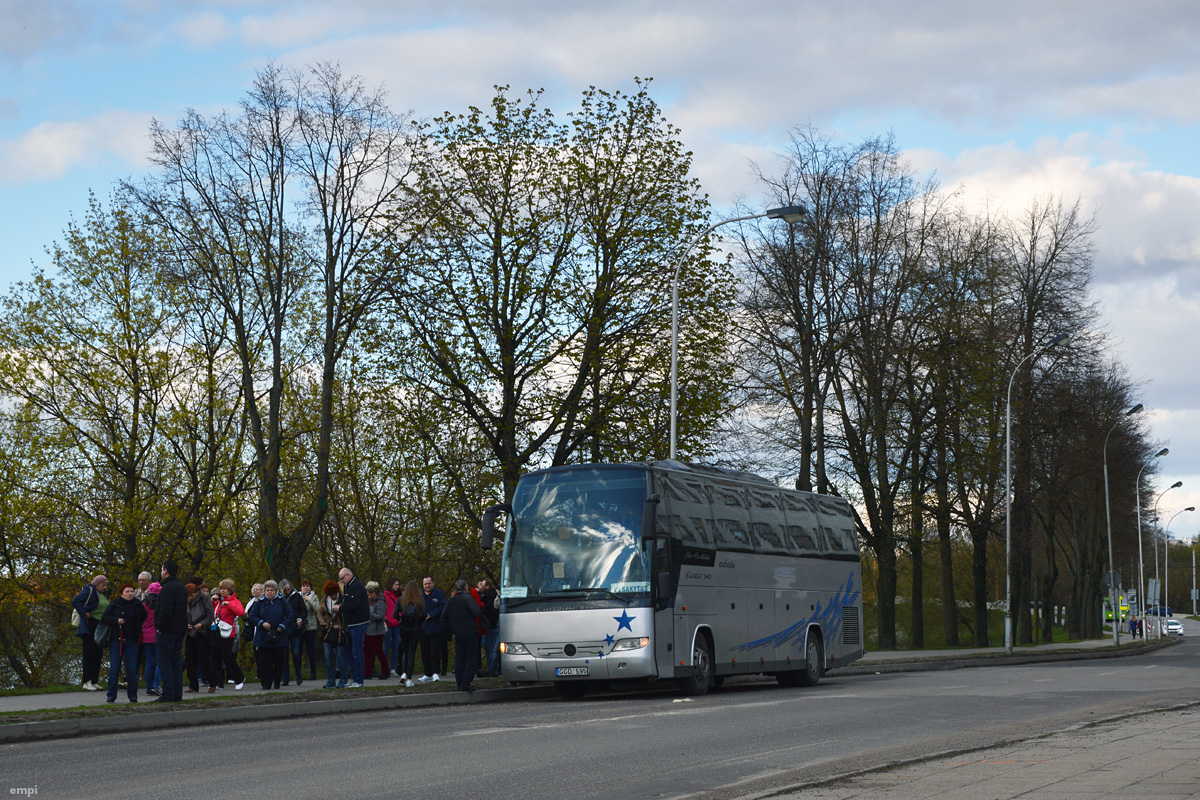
x=702, y=668
x=718, y=682
x=810, y=675
x=571, y=690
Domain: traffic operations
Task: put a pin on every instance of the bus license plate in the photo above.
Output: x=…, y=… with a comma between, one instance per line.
x=568, y=672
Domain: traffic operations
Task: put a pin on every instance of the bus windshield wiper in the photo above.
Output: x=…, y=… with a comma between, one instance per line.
x=608, y=592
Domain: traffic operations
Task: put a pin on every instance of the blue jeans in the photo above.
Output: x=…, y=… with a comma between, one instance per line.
x=358, y=638
x=391, y=648
x=122, y=651
x=152, y=677
x=335, y=663
x=491, y=649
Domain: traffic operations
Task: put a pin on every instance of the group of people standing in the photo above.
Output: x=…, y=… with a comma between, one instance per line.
x=164, y=624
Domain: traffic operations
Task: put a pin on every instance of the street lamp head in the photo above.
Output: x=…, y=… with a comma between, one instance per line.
x=1162, y=452
x=1057, y=340
x=1134, y=410
x=1190, y=508
x=1175, y=485
x=789, y=214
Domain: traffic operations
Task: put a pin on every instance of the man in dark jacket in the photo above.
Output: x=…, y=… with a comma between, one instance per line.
x=170, y=624
x=356, y=613
x=462, y=616
x=296, y=627
x=434, y=637
x=491, y=634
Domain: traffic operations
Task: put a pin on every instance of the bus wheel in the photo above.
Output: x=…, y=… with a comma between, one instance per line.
x=702, y=668
x=811, y=674
x=718, y=681
x=571, y=690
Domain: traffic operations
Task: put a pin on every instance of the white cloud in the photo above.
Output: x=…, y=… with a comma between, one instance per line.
x=49, y=150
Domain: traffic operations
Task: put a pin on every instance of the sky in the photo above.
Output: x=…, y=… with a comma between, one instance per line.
x=1097, y=101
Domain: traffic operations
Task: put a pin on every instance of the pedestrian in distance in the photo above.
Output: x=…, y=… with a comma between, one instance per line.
x=270, y=616
x=391, y=634
x=462, y=617
x=490, y=599
x=434, y=644
x=409, y=614
x=125, y=616
x=355, y=615
x=89, y=607
x=227, y=611
x=171, y=624
x=199, y=638
x=150, y=641
x=376, y=629
x=295, y=630
x=333, y=637
x=309, y=640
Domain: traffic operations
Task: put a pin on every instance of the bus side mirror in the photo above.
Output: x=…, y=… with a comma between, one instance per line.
x=488, y=527
x=649, y=512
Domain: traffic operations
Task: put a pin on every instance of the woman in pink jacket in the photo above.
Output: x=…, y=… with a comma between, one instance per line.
x=149, y=638
x=226, y=611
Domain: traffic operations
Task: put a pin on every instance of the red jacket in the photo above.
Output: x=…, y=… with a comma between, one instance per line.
x=482, y=622
x=391, y=598
x=229, y=610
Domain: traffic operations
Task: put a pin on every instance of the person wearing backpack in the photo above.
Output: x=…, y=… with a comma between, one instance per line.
x=409, y=613
x=89, y=607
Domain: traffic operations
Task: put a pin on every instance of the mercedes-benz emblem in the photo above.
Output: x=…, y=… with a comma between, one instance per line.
x=569, y=649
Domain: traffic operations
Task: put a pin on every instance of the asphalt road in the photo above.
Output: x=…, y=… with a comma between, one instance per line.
x=745, y=739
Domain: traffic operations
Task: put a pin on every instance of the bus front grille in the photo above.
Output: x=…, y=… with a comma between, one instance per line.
x=558, y=649
x=850, y=627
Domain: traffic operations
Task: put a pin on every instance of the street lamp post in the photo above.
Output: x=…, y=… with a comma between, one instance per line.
x=789, y=214
x=1008, y=615
x=1167, y=560
x=1154, y=533
x=1112, y=584
x=1137, y=491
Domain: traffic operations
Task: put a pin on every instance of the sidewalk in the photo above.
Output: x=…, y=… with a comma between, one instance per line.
x=1148, y=755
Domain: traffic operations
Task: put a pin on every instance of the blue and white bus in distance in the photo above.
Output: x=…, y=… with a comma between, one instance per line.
x=666, y=570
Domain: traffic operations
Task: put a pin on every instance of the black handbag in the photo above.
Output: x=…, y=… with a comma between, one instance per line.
x=335, y=634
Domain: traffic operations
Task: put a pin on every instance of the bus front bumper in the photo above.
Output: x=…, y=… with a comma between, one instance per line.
x=617, y=665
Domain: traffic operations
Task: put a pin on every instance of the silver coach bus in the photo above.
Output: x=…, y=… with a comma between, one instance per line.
x=666, y=570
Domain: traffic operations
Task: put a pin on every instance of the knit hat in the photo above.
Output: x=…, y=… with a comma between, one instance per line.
x=154, y=588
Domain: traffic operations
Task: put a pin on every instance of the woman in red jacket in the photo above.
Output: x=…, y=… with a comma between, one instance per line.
x=226, y=610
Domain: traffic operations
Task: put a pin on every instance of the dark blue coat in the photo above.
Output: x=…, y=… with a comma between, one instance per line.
x=435, y=604
x=276, y=612
x=85, y=603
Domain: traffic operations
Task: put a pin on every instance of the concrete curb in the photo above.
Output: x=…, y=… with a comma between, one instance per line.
x=999, y=659
x=178, y=717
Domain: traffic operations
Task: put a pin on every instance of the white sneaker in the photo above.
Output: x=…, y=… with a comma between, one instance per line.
x=424, y=679
x=354, y=686
x=91, y=686
x=392, y=674
x=408, y=684
x=239, y=686
x=435, y=677
x=403, y=677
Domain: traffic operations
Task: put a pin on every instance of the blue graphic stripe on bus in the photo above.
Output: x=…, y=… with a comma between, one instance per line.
x=829, y=618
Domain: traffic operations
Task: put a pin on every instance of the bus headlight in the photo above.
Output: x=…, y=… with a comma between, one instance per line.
x=631, y=644
x=514, y=649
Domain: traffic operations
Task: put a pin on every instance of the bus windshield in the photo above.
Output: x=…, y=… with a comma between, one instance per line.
x=574, y=531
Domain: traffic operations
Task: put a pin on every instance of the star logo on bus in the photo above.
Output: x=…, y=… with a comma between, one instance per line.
x=609, y=639
x=623, y=621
